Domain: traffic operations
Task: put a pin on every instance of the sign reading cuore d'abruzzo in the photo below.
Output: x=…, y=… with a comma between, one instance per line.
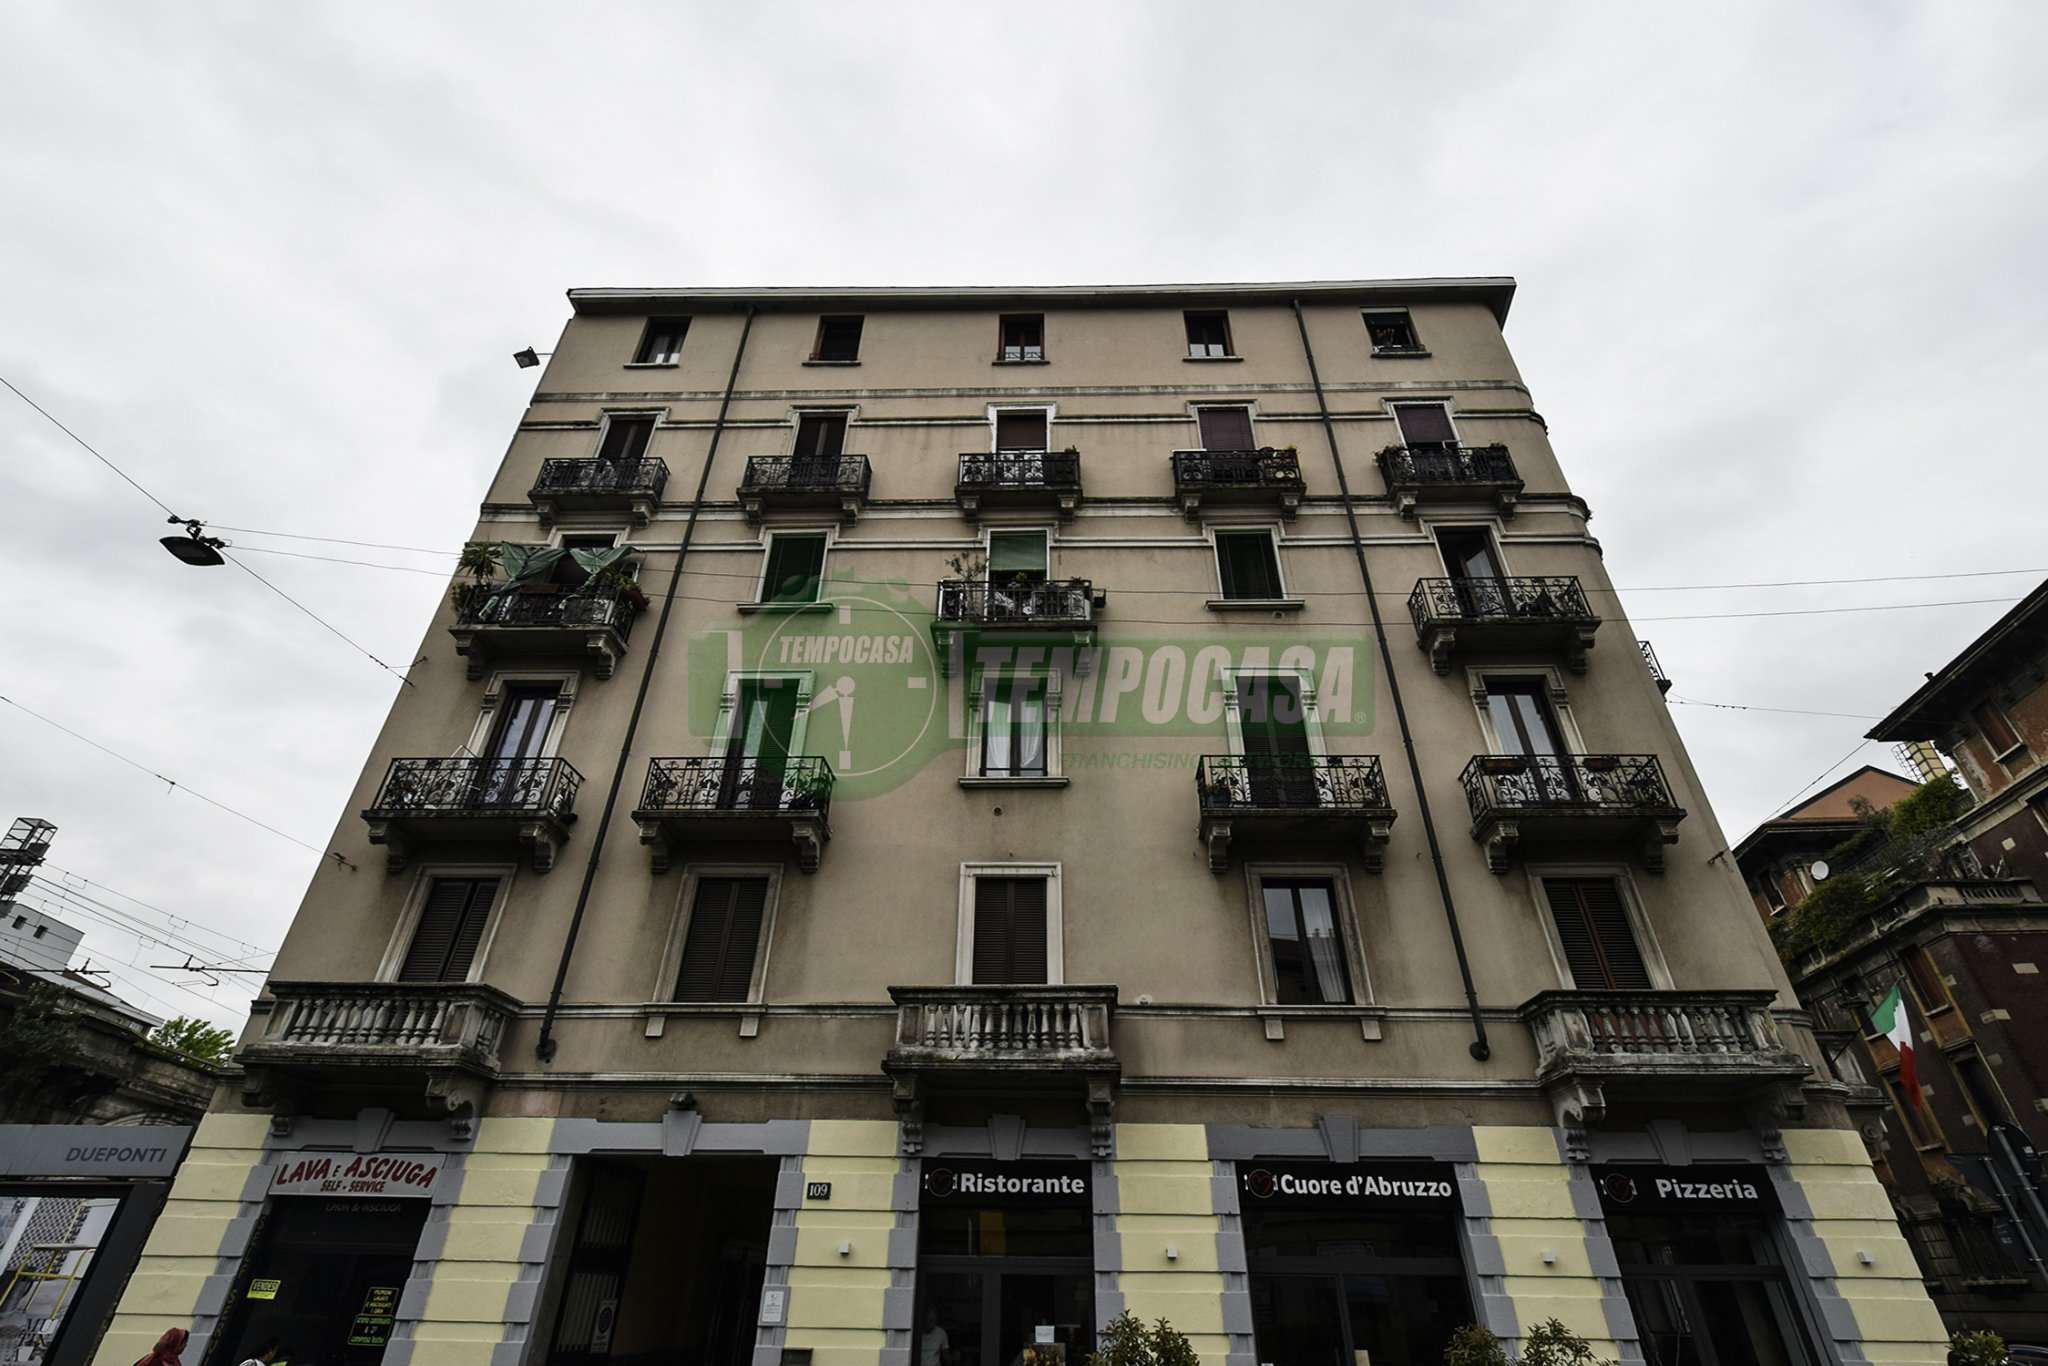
x=388, y=1174
x=1364, y=1185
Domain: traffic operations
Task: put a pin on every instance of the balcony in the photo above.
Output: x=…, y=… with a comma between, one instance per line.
x=633, y=487
x=1450, y=474
x=1019, y=479
x=1003, y=1040
x=1546, y=616
x=1260, y=478
x=1544, y=803
x=805, y=483
x=1712, y=1047
x=444, y=1035
x=470, y=801
x=1275, y=802
x=526, y=623
x=726, y=800
x=1053, y=612
x=1650, y=662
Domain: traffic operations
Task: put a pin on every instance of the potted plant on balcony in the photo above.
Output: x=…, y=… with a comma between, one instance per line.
x=616, y=580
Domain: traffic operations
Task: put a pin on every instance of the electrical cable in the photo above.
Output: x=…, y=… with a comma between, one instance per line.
x=335, y=630
x=172, y=937
x=87, y=447
x=1787, y=711
x=232, y=940
x=1783, y=806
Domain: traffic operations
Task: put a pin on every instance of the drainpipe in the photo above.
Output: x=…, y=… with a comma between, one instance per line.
x=544, y=1047
x=1479, y=1047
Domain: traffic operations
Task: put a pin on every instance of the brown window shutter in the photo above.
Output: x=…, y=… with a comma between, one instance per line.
x=1225, y=429
x=1593, y=927
x=725, y=930
x=1009, y=930
x=1425, y=424
x=451, y=927
x=1021, y=430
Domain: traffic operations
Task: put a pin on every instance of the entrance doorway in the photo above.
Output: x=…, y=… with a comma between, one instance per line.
x=325, y=1278
x=1005, y=1263
x=667, y=1262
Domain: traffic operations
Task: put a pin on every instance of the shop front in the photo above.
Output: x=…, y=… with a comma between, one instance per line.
x=1703, y=1256
x=1005, y=1265
x=331, y=1256
x=1351, y=1264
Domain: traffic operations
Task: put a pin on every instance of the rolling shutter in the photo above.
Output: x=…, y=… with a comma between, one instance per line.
x=1225, y=429
x=450, y=929
x=1592, y=924
x=1009, y=930
x=725, y=929
x=1021, y=429
x=1425, y=424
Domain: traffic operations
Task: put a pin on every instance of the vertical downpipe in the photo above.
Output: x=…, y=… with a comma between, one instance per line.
x=1479, y=1047
x=544, y=1047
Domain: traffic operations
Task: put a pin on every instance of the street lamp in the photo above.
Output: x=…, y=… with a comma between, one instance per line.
x=193, y=547
x=527, y=358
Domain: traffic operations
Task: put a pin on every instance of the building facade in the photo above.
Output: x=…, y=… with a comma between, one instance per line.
x=932, y=818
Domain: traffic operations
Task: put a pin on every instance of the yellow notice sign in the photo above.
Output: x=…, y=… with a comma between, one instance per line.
x=261, y=1289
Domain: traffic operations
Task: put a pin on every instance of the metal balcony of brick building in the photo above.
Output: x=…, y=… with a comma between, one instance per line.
x=1450, y=474
x=1541, y=804
x=633, y=487
x=726, y=800
x=528, y=803
x=1549, y=617
x=544, y=620
x=774, y=483
x=1003, y=1040
x=1058, y=613
x=1249, y=478
x=1274, y=803
x=1019, y=479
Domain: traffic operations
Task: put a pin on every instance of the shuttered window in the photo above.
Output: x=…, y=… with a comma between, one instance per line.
x=1248, y=564
x=1009, y=930
x=1021, y=429
x=625, y=438
x=1592, y=924
x=451, y=927
x=1425, y=424
x=838, y=339
x=795, y=564
x=725, y=930
x=1225, y=429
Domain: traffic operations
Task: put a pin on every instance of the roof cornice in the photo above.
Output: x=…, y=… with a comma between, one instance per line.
x=1913, y=719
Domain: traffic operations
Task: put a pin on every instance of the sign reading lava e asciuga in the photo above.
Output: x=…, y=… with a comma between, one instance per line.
x=403, y=1174
x=1363, y=1185
x=1631, y=1189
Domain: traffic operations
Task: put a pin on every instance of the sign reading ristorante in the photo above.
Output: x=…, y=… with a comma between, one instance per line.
x=401, y=1174
x=1006, y=1183
x=1322, y=1185
x=1631, y=1189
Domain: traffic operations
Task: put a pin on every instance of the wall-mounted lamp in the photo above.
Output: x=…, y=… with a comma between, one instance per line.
x=1172, y=1253
x=1865, y=1258
x=527, y=358
x=1549, y=1257
x=845, y=1249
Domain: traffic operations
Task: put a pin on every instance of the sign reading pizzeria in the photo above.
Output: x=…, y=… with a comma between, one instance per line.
x=1672, y=1190
x=387, y=1174
x=1006, y=1183
x=1364, y=1185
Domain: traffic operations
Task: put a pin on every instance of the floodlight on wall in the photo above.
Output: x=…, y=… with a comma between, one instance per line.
x=194, y=547
x=527, y=358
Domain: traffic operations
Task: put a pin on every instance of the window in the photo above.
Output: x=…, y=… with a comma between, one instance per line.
x=1522, y=718
x=1913, y=1115
x=1926, y=979
x=1979, y=1089
x=1009, y=930
x=1392, y=333
x=1208, y=334
x=838, y=339
x=1308, y=952
x=451, y=927
x=662, y=343
x=1015, y=727
x=1592, y=928
x=821, y=433
x=1023, y=429
x=570, y=574
x=794, y=568
x=1468, y=552
x=1425, y=426
x=1023, y=337
x=1997, y=730
x=724, y=934
x=1014, y=555
x=625, y=437
x=1226, y=429
x=1248, y=564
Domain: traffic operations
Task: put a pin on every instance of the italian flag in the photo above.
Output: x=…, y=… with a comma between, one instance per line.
x=1890, y=1021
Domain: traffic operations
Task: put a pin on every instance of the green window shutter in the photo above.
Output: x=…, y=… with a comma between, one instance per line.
x=795, y=566
x=1016, y=552
x=725, y=931
x=444, y=944
x=1250, y=564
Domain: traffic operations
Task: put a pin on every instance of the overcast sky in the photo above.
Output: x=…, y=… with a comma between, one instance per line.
x=1781, y=301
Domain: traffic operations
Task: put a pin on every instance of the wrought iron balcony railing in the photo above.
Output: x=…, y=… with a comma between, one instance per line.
x=1047, y=603
x=805, y=480
x=1254, y=796
x=1442, y=473
x=1238, y=476
x=478, y=787
x=1656, y=669
x=622, y=478
x=706, y=796
x=395, y=1022
x=1019, y=477
x=1518, y=797
x=477, y=605
x=1519, y=613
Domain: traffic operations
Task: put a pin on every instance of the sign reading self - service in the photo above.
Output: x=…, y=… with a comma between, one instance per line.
x=387, y=1174
x=1362, y=1185
x=977, y=1182
x=1631, y=1189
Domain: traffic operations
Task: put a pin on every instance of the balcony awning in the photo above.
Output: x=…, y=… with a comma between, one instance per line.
x=534, y=564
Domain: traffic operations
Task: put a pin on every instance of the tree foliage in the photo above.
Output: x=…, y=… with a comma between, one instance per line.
x=36, y=1043
x=1549, y=1343
x=1976, y=1349
x=194, y=1039
x=1833, y=910
x=1128, y=1342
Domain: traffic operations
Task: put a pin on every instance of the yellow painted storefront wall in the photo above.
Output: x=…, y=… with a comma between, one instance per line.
x=1528, y=1187
x=464, y=1317
x=1166, y=1198
x=835, y=1302
x=1895, y=1321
